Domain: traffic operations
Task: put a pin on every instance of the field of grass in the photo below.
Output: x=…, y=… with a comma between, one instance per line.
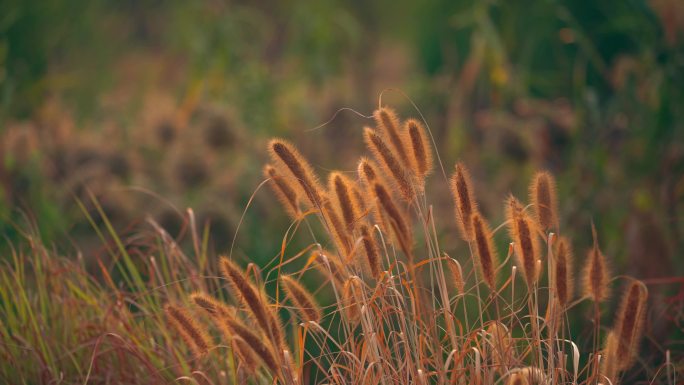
x=476, y=192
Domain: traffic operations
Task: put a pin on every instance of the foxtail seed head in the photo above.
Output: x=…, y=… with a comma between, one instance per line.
x=286, y=155
x=352, y=298
x=194, y=336
x=523, y=233
x=388, y=125
x=304, y=302
x=596, y=275
x=464, y=199
x=486, y=253
x=563, y=277
x=284, y=190
x=629, y=324
x=371, y=251
x=253, y=299
x=544, y=199
x=342, y=189
x=256, y=343
x=456, y=275
x=390, y=164
x=420, y=149
x=395, y=217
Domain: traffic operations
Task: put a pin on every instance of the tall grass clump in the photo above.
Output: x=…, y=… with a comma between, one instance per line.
x=373, y=297
x=396, y=308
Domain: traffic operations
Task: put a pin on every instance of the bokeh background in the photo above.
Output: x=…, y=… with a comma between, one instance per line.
x=155, y=106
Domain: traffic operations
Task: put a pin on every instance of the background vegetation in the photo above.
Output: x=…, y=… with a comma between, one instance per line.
x=156, y=106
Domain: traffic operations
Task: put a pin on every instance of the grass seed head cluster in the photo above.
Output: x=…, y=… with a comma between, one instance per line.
x=403, y=308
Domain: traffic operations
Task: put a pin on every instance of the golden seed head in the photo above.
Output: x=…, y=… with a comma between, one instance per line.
x=420, y=148
x=371, y=252
x=253, y=299
x=596, y=275
x=304, y=302
x=194, y=336
x=388, y=126
x=286, y=156
x=464, y=199
x=336, y=228
x=352, y=298
x=342, y=189
x=486, y=253
x=563, y=277
x=523, y=232
x=390, y=164
x=396, y=218
x=544, y=199
x=285, y=190
x=629, y=324
x=456, y=275
x=255, y=342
